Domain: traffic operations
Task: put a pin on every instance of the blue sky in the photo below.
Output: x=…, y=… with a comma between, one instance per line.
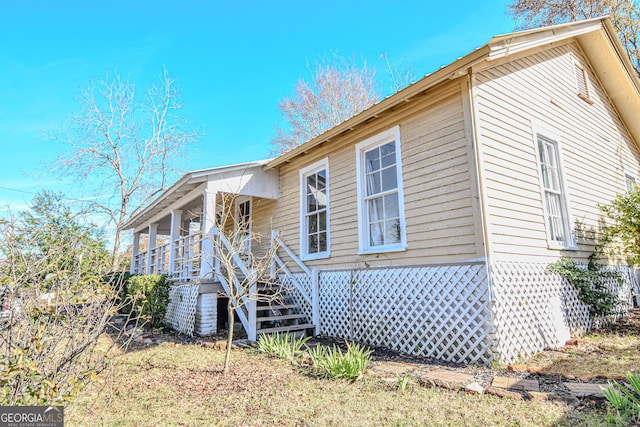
x=234, y=61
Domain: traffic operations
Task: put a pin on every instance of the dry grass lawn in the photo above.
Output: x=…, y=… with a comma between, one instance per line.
x=182, y=385
x=607, y=353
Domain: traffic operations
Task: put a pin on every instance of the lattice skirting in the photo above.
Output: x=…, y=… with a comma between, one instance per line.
x=181, y=311
x=532, y=308
x=292, y=297
x=439, y=311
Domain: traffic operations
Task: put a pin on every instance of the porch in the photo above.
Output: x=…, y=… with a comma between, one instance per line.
x=205, y=217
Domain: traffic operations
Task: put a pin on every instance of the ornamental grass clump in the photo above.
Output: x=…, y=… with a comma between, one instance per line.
x=625, y=399
x=285, y=346
x=333, y=363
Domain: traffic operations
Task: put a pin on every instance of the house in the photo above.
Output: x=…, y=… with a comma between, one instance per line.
x=426, y=223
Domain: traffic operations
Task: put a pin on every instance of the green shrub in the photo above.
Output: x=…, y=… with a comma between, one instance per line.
x=626, y=399
x=150, y=295
x=590, y=284
x=333, y=363
x=282, y=346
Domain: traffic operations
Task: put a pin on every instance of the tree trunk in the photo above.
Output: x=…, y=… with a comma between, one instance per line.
x=115, y=254
x=231, y=318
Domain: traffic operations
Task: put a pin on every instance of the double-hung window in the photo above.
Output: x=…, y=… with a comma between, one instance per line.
x=558, y=224
x=380, y=198
x=314, y=202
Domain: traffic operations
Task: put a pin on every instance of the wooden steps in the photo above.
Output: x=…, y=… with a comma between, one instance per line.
x=289, y=329
x=281, y=317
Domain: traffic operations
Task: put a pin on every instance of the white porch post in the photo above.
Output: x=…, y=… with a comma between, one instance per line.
x=176, y=221
x=134, y=253
x=153, y=232
x=252, y=306
x=272, y=262
x=207, y=266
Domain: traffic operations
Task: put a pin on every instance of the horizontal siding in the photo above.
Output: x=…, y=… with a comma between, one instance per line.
x=539, y=89
x=437, y=187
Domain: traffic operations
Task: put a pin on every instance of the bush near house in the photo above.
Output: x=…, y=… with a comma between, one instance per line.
x=150, y=296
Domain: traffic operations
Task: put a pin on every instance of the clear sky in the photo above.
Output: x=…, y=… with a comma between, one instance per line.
x=234, y=61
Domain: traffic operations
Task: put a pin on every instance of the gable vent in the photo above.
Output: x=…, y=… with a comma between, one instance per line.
x=582, y=82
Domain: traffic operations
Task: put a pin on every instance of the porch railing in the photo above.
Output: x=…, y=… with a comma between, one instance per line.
x=160, y=259
x=187, y=257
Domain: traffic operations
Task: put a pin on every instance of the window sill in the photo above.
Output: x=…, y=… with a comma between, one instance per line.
x=383, y=249
x=585, y=98
x=561, y=247
x=323, y=255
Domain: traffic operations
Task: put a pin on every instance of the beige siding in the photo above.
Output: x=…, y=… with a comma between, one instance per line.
x=539, y=90
x=438, y=186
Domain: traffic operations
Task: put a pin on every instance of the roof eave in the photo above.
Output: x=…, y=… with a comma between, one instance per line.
x=451, y=71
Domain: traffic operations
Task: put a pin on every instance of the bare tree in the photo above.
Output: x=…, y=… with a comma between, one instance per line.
x=339, y=89
x=247, y=276
x=625, y=16
x=125, y=150
x=399, y=73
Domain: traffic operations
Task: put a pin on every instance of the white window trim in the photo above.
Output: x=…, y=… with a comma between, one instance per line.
x=236, y=213
x=387, y=136
x=570, y=243
x=304, y=244
x=629, y=174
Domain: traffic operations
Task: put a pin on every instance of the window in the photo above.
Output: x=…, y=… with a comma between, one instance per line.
x=555, y=201
x=582, y=82
x=629, y=181
x=380, y=198
x=314, y=218
x=243, y=227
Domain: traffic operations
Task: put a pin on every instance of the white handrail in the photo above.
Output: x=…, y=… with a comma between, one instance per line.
x=314, y=298
x=248, y=320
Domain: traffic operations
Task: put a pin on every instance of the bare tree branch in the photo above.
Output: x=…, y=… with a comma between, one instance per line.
x=339, y=89
x=124, y=149
x=625, y=16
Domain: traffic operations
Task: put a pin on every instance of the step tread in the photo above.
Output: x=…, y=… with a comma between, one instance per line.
x=276, y=307
x=281, y=317
x=286, y=328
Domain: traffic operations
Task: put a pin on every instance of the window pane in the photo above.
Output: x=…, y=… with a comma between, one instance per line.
x=322, y=221
x=376, y=233
x=373, y=183
x=311, y=184
x=321, y=199
x=313, y=243
x=372, y=160
x=322, y=180
x=389, y=179
x=388, y=153
x=391, y=209
x=313, y=223
x=376, y=210
x=322, y=242
x=392, y=231
x=312, y=204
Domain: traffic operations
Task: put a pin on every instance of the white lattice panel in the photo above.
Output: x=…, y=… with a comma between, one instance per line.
x=522, y=309
x=181, y=310
x=431, y=311
x=292, y=296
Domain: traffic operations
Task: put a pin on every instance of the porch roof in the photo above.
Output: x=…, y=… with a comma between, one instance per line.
x=187, y=184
